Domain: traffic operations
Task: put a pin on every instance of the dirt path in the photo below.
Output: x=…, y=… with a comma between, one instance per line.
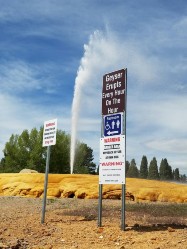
x=72, y=223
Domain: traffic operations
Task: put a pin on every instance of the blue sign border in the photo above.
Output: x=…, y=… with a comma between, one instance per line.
x=113, y=125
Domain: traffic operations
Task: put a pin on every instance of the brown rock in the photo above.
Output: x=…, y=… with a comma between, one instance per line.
x=153, y=238
x=100, y=230
x=170, y=229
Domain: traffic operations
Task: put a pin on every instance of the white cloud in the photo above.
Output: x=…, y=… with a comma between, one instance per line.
x=181, y=163
x=175, y=145
x=17, y=115
x=19, y=10
x=180, y=27
x=165, y=112
x=18, y=76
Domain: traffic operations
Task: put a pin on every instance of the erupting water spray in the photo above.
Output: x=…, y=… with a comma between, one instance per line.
x=83, y=76
x=80, y=80
x=99, y=55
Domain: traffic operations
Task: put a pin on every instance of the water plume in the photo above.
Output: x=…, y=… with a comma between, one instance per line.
x=100, y=54
x=83, y=75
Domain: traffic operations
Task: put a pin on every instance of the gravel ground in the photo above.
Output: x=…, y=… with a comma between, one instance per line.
x=72, y=223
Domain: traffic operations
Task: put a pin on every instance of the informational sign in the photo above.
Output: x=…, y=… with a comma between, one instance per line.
x=49, y=138
x=113, y=94
x=113, y=136
x=49, y=133
x=112, y=160
x=113, y=124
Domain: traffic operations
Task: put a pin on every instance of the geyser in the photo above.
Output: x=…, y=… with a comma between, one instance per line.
x=86, y=69
x=100, y=55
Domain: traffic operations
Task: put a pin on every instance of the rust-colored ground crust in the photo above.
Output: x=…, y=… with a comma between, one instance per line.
x=86, y=186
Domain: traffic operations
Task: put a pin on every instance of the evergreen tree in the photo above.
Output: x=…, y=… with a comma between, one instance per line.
x=60, y=154
x=162, y=169
x=37, y=158
x=83, y=160
x=183, y=178
x=173, y=174
x=2, y=165
x=153, y=170
x=165, y=170
x=170, y=174
x=23, y=152
x=144, y=168
x=133, y=170
x=127, y=165
x=176, y=174
x=11, y=160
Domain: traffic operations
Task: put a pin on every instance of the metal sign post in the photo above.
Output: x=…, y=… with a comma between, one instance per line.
x=45, y=185
x=113, y=136
x=100, y=205
x=49, y=138
x=124, y=132
x=123, y=208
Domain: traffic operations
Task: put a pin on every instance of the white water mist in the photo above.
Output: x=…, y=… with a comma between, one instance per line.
x=100, y=55
x=83, y=76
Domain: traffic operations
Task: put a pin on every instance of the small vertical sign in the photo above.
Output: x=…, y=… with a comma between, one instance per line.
x=49, y=133
x=49, y=138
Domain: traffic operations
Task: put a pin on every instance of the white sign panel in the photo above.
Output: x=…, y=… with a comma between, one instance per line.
x=112, y=160
x=49, y=133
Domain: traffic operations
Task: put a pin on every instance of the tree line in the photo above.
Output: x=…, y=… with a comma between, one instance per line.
x=153, y=171
x=26, y=151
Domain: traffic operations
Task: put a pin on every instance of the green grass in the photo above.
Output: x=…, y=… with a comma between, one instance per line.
x=143, y=213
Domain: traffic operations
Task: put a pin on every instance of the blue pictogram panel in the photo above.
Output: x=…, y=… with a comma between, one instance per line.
x=112, y=125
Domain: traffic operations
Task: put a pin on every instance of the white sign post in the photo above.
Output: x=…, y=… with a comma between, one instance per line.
x=49, y=138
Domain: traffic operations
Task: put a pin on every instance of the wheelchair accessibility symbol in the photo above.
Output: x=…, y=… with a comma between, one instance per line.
x=107, y=126
x=112, y=125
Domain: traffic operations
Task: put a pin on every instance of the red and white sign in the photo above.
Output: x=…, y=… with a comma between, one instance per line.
x=49, y=133
x=112, y=160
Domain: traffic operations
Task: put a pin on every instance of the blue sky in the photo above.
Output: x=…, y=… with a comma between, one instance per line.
x=45, y=45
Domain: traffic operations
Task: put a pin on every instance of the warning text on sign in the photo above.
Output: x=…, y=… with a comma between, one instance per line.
x=49, y=133
x=112, y=160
